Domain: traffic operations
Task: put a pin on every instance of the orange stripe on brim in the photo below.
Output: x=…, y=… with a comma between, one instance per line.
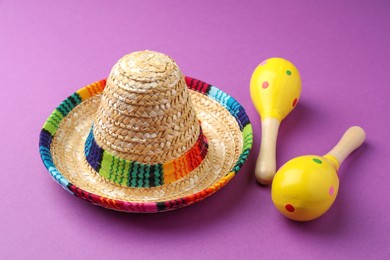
x=92, y=89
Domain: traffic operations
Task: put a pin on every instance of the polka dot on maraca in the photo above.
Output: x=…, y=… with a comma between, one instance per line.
x=265, y=84
x=289, y=208
x=288, y=72
x=295, y=102
x=317, y=161
x=331, y=190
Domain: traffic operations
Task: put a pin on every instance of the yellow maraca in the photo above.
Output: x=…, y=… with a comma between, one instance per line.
x=305, y=187
x=275, y=89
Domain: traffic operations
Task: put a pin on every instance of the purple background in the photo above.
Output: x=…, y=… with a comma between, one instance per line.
x=49, y=49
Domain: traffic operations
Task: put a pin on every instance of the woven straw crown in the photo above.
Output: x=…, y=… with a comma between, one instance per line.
x=146, y=117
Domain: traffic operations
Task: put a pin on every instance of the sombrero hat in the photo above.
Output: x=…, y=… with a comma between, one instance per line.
x=146, y=139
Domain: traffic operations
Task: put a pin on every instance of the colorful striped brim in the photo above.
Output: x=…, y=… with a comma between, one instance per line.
x=62, y=140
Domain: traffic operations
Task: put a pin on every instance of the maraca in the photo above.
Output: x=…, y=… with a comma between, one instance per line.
x=305, y=187
x=275, y=89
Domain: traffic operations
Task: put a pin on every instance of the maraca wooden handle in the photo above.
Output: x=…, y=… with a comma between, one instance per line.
x=266, y=162
x=350, y=141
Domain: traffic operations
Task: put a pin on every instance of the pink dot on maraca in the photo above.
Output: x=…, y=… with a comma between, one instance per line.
x=265, y=84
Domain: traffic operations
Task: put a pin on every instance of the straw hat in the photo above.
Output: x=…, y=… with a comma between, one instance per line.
x=146, y=139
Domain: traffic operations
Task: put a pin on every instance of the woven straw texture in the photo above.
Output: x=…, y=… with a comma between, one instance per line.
x=145, y=113
x=151, y=130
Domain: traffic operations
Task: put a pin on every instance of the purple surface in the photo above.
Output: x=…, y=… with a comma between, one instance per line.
x=49, y=49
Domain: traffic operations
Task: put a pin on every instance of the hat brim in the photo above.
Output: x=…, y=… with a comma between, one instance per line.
x=224, y=122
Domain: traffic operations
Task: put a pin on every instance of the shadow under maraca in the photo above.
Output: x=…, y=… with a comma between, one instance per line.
x=329, y=224
x=291, y=135
x=302, y=117
x=351, y=166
